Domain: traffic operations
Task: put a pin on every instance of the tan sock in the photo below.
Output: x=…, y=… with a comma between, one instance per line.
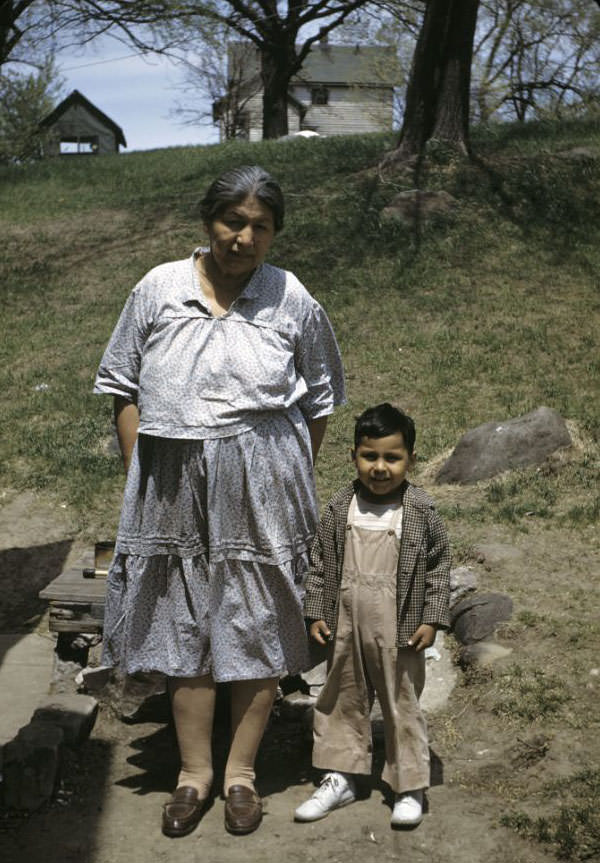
x=193, y=705
x=251, y=703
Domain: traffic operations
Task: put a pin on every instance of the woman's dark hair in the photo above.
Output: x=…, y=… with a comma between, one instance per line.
x=238, y=183
x=383, y=420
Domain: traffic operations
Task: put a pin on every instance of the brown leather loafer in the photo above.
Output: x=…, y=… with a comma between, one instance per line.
x=182, y=812
x=243, y=810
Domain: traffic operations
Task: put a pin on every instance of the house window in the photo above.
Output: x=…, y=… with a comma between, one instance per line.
x=242, y=125
x=85, y=144
x=319, y=95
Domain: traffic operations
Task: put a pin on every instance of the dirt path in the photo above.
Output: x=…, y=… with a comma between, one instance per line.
x=109, y=812
x=108, y=808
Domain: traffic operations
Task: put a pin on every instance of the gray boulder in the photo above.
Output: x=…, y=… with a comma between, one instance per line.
x=494, y=447
x=476, y=617
x=406, y=207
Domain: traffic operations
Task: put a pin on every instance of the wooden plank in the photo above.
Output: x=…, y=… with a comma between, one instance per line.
x=85, y=626
x=71, y=586
x=75, y=590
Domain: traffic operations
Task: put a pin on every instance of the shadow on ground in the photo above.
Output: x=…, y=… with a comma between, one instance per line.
x=23, y=573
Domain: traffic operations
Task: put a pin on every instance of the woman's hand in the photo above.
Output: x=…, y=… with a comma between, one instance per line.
x=423, y=637
x=319, y=631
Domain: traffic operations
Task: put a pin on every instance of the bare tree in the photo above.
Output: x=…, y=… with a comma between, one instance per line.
x=21, y=22
x=277, y=31
x=227, y=75
x=534, y=58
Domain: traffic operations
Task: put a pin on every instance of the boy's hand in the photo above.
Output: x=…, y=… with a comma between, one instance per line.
x=319, y=631
x=423, y=637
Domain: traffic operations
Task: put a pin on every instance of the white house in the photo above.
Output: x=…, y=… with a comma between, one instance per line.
x=340, y=90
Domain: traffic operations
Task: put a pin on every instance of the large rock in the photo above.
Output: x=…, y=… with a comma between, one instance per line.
x=494, y=447
x=476, y=617
x=408, y=207
x=31, y=765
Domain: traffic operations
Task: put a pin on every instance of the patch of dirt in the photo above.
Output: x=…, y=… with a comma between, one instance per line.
x=498, y=745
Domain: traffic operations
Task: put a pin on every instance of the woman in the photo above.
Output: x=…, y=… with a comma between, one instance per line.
x=223, y=371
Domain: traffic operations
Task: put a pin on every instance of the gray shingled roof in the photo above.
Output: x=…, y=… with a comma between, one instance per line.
x=339, y=64
x=349, y=64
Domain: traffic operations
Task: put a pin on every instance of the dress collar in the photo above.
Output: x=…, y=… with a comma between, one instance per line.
x=194, y=293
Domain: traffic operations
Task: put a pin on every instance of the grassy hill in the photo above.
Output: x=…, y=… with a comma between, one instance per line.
x=483, y=313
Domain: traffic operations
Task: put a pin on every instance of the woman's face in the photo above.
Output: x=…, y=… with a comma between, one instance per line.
x=240, y=237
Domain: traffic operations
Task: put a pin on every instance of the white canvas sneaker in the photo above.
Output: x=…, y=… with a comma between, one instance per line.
x=408, y=809
x=335, y=790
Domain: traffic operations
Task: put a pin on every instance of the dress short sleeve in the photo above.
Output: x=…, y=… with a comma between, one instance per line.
x=118, y=373
x=319, y=362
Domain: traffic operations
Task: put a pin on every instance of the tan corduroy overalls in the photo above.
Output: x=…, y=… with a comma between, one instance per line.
x=364, y=661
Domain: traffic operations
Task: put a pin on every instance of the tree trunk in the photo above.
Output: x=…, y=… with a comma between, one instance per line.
x=278, y=64
x=452, y=116
x=437, y=96
x=7, y=20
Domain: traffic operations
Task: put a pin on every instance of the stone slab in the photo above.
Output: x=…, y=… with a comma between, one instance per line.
x=25, y=673
x=75, y=714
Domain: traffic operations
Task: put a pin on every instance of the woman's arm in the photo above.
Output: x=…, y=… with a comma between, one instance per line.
x=316, y=429
x=127, y=419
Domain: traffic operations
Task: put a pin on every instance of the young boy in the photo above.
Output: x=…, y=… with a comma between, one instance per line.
x=377, y=591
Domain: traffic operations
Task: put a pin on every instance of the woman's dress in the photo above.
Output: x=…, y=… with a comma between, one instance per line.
x=219, y=507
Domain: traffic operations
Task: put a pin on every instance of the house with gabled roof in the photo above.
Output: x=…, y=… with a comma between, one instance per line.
x=80, y=128
x=340, y=90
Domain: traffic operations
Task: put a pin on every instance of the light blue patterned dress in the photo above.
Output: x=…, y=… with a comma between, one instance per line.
x=219, y=507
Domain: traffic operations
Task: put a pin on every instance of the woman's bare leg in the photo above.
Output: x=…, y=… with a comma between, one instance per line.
x=193, y=705
x=251, y=703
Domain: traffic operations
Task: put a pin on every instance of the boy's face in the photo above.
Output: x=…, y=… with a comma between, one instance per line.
x=382, y=464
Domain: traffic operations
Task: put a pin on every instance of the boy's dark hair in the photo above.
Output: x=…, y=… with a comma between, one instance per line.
x=383, y=420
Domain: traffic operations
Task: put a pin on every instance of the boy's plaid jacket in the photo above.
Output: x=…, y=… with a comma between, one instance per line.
x=423, y=575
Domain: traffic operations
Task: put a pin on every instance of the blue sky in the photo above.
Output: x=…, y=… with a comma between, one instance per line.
x=136, y=92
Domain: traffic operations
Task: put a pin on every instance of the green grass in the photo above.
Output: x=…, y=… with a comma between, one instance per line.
x=571, y=829
x=528, y=694
x=484, y=314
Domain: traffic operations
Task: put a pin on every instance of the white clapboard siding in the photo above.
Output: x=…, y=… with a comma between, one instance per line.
x=359, y=82
x=349, y=112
